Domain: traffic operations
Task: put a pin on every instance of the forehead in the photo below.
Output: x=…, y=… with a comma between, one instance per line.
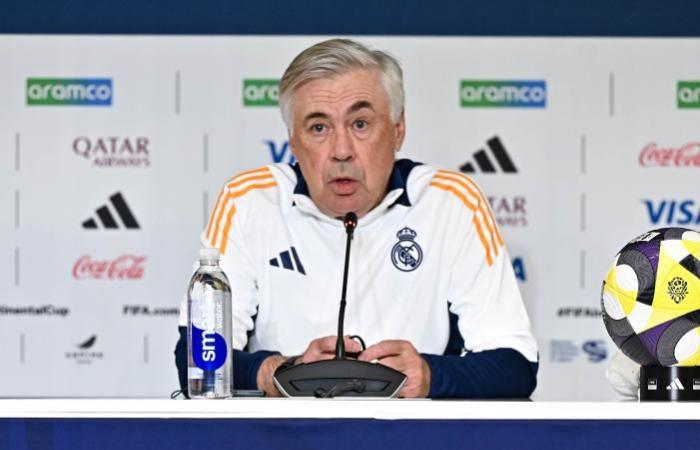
x=336, y=94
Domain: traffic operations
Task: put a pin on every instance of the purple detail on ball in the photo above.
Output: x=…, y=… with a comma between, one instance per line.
x=651, y=251
x=650, y=338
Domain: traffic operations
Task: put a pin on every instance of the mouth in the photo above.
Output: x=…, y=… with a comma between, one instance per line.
x=343, y=185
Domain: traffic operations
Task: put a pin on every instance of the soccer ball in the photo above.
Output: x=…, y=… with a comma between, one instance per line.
x=651, y=298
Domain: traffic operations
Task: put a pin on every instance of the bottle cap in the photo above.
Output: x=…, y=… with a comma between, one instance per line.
x=209, y=253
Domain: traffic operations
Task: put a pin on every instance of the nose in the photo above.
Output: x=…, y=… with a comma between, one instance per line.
x=343, y=147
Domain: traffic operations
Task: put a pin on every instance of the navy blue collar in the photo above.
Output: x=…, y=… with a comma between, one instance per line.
x=397, y=180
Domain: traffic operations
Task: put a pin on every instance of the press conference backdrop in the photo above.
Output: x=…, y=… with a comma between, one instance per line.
x=113, y=149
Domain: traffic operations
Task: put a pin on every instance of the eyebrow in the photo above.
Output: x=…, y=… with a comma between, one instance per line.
x=315, y=115
x=353, y=108
x=359, y=105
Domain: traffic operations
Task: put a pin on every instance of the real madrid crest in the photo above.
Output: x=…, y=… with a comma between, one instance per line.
x=406, y=254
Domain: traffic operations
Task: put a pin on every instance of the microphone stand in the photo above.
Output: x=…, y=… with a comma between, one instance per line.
x=350, y=223
x=340, y=376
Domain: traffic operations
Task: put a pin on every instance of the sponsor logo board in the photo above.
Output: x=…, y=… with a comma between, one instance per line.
x=499, y=159
x=503, y=93
x=280, y=151
x=260, y=92
x=69, y=91
x=85, y=352
x=33, y=310
x=672, y=211
x=117, y=207
x=113, y=151
x=687, y=155
x=519, y=268
x=688, y=94
x=149, y=311
x=579, y=312
x=509, y=211
x=567, y=351
x=124, y=267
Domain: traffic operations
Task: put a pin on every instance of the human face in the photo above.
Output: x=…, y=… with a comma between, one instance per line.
x=345, y=141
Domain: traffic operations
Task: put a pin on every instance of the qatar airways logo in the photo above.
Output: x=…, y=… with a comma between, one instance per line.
x=509, y=211
x=113, y=151
x=125, y=267
x=687, y=155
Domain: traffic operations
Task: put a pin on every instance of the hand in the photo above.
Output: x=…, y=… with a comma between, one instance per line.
x=265, y=373
x=318, y=350
x=324, y=348
x=402, y=356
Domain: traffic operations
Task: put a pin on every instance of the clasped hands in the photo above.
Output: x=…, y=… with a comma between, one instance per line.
x=397, y=354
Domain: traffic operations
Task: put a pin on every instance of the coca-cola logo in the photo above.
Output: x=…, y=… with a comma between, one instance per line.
x=125, y=267
x=114, y=151
x=687, y=155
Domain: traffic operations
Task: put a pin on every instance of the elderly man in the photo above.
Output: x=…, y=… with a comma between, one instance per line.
x=431, y=287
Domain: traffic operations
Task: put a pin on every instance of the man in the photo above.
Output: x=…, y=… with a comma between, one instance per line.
x=431, y=288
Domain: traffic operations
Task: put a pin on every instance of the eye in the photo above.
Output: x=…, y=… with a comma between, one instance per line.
x=318, y=128
x=360, y=124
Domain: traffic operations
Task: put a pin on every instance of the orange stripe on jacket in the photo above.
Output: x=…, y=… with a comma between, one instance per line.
x=232, y=211
x=470, y=187
x=488, y=207
x=219, y=204
x=475, y=220
x=235, y=182
x=248, y=172
x=224, y=237
x=213, y=210
x=240, y=180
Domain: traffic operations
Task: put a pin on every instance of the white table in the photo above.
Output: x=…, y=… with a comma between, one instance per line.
x=252, y=423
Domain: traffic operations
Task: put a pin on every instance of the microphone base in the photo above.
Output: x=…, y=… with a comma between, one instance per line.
x=339, y=378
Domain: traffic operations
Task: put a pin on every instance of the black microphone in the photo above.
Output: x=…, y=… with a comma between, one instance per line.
x=339, y=377
x=350, y=223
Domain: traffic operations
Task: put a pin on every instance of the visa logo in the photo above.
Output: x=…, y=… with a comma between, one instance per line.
x=596, y=350
x=673, y=212
x=519, y=269
x=280, y=152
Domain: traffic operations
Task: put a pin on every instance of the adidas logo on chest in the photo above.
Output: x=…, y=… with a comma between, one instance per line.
x=288, y=260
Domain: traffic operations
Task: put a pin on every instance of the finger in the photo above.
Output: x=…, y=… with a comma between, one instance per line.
x=309, y=358
x=327, y=344
x=384, y=349
x=351, y=345
x=395, y=362
x=322, y=345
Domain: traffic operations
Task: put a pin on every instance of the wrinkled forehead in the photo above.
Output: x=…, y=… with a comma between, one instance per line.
x=340, y=94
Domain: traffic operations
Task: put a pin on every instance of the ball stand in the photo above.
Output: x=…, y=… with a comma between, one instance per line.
x=669, y=384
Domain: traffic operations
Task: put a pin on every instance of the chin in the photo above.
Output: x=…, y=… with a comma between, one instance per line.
x=343, y=207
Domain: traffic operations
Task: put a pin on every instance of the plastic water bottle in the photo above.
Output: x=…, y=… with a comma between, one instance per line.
x=209, y=371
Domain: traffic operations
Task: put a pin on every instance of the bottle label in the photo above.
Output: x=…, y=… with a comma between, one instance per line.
x=208, y=349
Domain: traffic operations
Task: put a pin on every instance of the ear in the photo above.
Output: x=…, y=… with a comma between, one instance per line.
x=292, y=145
x=399, y=131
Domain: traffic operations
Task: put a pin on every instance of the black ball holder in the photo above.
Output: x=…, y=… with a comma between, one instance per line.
x=669, y=384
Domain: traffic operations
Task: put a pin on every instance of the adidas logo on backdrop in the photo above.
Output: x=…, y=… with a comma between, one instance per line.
x=485, y=164
x=289, y=259
x=675, y=385
x=106, y=217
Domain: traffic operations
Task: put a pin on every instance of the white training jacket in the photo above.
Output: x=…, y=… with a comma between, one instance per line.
x=432, y=242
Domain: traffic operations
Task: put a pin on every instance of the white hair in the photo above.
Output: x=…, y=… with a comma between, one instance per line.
x=334, y=57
